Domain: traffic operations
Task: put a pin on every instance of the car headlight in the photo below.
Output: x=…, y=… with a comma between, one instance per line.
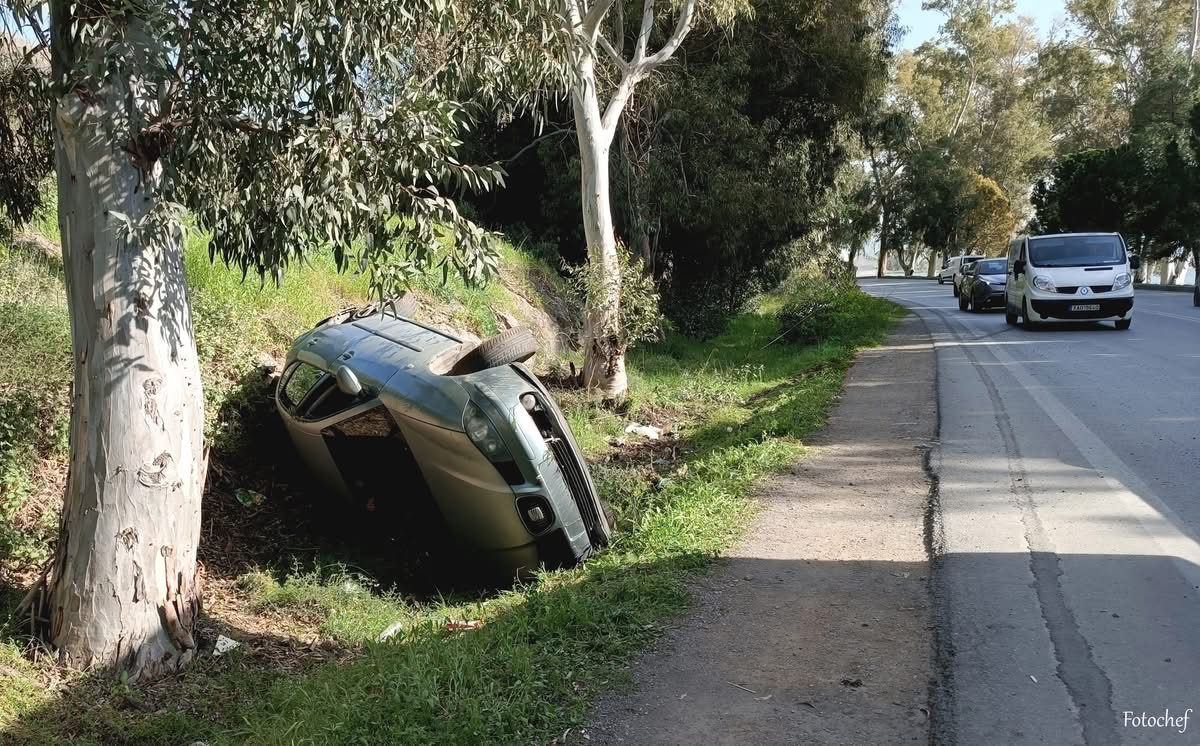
x=1044, y=283
x=1122, y=281
x=483, y=434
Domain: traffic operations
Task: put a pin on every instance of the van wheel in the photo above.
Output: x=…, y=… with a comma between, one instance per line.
x=1010, y=315
x=1026, y=322
x=514, y=345
x=1124, y=323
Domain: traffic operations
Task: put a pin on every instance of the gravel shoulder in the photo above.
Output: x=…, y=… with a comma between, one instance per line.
x=817, y=627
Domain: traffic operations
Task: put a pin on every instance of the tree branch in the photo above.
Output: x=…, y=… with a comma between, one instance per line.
x=643, y=38
x=535, y=141
x=615, y=55
x=595, y=14
x=616, y=104
x=619, y=28
x=682, y=26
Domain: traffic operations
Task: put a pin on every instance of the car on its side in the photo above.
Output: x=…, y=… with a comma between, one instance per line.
x=982, y=285
x=952, y=270
x=1070, y=277
x=415, y=423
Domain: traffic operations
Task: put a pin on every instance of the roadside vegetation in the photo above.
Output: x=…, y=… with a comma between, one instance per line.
x=310, y=668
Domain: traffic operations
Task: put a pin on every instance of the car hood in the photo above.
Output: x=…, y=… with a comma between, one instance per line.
x=994, y=279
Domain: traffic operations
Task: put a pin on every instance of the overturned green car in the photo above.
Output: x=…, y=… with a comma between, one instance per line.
x=389, y=412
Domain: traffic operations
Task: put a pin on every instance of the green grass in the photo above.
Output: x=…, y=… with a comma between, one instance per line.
x=742, y=409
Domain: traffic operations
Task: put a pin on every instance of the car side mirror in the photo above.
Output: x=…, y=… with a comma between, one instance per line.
x=1019, y=267
x=1135, y=262
x=347, y=382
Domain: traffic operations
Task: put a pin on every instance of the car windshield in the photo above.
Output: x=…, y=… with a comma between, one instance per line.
x=1076, y=251
x=992, y=267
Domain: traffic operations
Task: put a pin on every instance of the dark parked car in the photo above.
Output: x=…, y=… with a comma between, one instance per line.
x=983, y=285
x=389, y=412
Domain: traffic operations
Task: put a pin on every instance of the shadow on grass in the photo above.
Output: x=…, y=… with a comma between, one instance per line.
x=530, y=668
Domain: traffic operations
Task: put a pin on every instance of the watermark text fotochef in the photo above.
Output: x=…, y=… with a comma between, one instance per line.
x=1131, y=719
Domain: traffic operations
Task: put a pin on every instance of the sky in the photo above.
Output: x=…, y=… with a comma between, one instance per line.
x=923, y=25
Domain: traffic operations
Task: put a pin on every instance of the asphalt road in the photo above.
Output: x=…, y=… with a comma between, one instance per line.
x=1065, y=524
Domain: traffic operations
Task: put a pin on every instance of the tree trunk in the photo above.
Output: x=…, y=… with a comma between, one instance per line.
x=1195, y=37
x=1178, y=268
x=883, y=241
x=934, y=255
x=906, y=266
x=123, y=591
x=604, y=364
x=852, y=255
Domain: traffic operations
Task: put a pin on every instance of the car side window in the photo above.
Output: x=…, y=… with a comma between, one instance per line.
x=300, y=381
x=313, y=394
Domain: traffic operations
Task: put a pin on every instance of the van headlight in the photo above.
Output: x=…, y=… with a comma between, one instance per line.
x=1122, y=281
x=483, y=434
x=1044, y=283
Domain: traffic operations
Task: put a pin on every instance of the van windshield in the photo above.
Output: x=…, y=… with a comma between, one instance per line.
x=1075, y=251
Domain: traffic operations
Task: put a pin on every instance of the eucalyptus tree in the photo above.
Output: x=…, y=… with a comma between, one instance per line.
x=604, y=77
x=285, y=127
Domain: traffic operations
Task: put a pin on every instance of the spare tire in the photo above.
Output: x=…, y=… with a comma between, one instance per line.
x=514, y=345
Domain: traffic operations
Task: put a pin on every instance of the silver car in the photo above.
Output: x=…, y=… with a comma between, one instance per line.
x=389, y=411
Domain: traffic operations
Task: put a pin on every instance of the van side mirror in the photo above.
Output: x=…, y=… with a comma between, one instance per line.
x=347, y=382
x=1019, y=267
x=1135, y=262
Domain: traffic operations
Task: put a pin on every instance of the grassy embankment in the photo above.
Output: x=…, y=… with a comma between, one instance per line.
x=309, y=669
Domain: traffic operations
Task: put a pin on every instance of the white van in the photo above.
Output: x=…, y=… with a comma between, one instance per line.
x=951, y=268
x=1070, y=277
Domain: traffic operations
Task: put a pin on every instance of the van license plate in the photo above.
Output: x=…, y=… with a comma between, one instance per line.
x=1086, y=307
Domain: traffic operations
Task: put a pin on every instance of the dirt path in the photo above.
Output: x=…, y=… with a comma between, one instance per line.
x=816, y=628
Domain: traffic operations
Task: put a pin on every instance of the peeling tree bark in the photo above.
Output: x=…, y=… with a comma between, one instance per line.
x=123, y=591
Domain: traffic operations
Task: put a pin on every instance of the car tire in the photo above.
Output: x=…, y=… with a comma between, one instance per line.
x=941, y=280
x=962, y=302
x=956, y=293
x=1026, y=323
x=514, y=345
x=1010, y=315
x=1123, y=324
x=1196, y=296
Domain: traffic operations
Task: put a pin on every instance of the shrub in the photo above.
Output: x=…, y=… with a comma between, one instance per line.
x=640, y=320
x=821, y=309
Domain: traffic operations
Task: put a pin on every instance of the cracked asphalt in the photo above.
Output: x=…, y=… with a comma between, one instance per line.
x=1066, y=577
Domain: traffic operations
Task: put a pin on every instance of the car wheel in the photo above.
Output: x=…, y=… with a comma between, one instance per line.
x=941, y=280
x=1196, y=296
x=962, y=302
x=514, y=345
x=1010, y=315
x=1026, y=322
x=1124, y=323
x=956, y=294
